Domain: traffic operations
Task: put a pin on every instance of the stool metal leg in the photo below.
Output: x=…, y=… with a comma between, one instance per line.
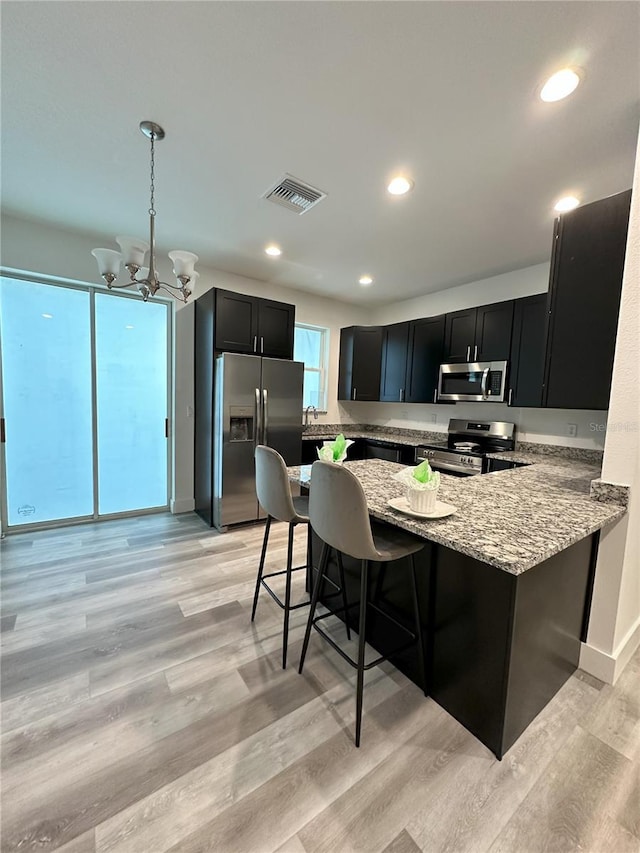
x=287, y=597
x=364, y=578
x=416, y=610
x=324, y=557
x=343, y=587
x=263, y=555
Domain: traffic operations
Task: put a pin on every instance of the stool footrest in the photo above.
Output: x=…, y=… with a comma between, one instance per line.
x=281, y=603
x=412, y=637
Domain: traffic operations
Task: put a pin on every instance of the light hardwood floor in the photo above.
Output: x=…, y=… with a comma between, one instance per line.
x=141, y=711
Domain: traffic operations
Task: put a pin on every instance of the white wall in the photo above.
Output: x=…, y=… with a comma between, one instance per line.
x=511, y=285
x=614, y=630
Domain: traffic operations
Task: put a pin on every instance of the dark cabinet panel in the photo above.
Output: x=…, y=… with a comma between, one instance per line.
x=236, y=322
x=276, y=321
x=395, y=343
x=203, y=404
x=493, y=332
x=426, y=341
x=526, y=368
x=360, y=363
x=586, y=282
x=460, y=332
x=249, y=324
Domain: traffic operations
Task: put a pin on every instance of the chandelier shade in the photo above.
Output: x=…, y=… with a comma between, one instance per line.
x=133, y=251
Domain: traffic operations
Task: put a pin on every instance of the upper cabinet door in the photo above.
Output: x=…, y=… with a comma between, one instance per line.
x=236, y=322
x=426, y=340
x=493, y=332
x=395, y=342
x=360, y=360
x=586, y=283
x=526, y=364
x=460, y=331
x=276, y=321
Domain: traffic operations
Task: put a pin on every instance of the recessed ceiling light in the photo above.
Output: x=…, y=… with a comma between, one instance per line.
x=273, y=250
x=48, y=316
x=365, y=280
x=569, y=202
x=399, y=185
x=128, y=327
x=559, y=85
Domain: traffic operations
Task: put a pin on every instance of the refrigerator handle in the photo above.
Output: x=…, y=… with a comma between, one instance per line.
x=265, y=415
x=258, y=429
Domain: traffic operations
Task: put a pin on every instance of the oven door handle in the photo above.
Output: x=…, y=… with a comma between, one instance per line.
x=483, y=384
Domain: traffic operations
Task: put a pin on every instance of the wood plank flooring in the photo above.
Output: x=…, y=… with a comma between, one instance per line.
x=142, y=712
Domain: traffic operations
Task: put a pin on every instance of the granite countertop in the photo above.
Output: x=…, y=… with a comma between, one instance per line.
x=412, y=438
x=512, y=519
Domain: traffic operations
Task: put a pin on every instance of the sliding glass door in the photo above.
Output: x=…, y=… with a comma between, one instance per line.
x=131, y=386
x=46, y=382
x=85, y=401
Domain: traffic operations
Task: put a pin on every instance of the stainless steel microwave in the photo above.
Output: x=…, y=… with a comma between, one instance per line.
x=479, y=381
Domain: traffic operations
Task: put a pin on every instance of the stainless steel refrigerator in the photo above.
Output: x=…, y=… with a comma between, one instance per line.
x=257, y=401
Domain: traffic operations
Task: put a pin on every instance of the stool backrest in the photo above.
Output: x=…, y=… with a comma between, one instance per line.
x=272, y=484
x=338, y=511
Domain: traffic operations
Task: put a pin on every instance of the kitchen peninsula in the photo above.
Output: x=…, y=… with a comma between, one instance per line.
x=504, y=583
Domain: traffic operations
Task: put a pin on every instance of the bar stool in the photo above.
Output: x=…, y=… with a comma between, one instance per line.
x=274, y=495
x=339, y=515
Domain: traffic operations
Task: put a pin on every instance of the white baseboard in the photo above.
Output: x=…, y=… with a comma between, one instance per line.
x=607, y=667
x=182, y=505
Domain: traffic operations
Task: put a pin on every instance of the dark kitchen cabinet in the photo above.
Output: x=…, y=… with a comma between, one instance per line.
x=426, y=341
x=395, y=349
x=360, y=363
x=248, y=324
x=586, y=282
x=411, y=356
x=493, y=331
x=479, y=334
x=460, y=335
x=526, y=364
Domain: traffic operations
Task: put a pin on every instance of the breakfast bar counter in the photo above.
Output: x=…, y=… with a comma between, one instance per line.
x=504, y=584
x=512, y=520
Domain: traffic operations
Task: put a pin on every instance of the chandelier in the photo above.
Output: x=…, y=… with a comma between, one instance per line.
x=132, y=251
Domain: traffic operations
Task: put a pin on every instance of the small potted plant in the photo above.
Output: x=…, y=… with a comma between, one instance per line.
x=335, y=451
x=422, y=487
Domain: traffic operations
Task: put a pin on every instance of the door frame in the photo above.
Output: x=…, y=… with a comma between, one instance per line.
x=92, y=289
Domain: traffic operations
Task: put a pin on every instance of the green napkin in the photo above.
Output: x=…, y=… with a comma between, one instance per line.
x=423, y=473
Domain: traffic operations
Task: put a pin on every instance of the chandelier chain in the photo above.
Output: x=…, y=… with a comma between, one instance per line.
x=152, y=209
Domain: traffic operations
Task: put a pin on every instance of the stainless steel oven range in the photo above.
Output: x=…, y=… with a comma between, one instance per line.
x=468, y=443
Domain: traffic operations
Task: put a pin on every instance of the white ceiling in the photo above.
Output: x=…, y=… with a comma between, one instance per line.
x=339, y=94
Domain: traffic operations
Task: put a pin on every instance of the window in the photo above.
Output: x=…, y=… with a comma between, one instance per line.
x=311, y=345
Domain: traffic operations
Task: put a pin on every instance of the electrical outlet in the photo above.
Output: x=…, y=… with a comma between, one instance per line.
x=404, y=414
x=434, y=419
x=572, y=430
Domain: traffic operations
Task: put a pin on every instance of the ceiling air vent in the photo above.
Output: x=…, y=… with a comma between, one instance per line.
x=294, y=194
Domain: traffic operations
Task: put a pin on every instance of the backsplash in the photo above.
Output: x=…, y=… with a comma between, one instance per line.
x=535, y=426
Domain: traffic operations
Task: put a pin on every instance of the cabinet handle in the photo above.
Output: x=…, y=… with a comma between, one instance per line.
x=402, y=395
x=510, y=396
x=261, y=344
x=255, y=343
x=475, y=353
x=469, y=353
x=435, y=395
x=353, y=394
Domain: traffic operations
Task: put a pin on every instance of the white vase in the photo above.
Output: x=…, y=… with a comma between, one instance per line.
x=422, y=500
